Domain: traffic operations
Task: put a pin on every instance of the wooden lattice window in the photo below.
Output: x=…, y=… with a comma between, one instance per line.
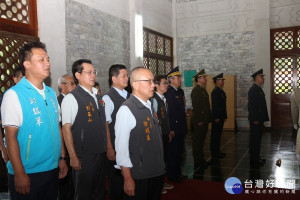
x=283, y=40
x=19, y=16
x=9, y=58
x=283, y=74
x=285, y=59
x=158, y=52
x=18, y=25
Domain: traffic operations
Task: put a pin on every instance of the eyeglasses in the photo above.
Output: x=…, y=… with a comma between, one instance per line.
x=164, y=83
x=70, y=83
x=90, y=72
x=148, y=81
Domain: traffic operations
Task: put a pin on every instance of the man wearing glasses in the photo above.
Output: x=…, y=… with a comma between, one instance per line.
x=84, y=130
x=160, y=108
x=138, y=144
x=65, y=84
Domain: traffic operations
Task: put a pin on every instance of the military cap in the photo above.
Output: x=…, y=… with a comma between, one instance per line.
x=201, y=73
x=218, y=77
x=258, y=73
x=174, y=72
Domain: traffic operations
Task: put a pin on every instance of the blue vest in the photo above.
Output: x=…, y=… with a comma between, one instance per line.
x=38, y=137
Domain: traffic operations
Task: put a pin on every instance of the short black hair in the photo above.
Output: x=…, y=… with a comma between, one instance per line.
x=18, y=71
x=25, y=52
x=114, y=70
x=96, y=84
x=158, y=78
x=77, y=67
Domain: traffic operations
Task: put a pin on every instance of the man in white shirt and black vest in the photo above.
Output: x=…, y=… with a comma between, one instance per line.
x=160, y=106
x=84, y=130
x=138, y=144
x=116, y=95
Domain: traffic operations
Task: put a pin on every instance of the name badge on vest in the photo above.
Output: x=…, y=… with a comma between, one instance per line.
x=147, y=125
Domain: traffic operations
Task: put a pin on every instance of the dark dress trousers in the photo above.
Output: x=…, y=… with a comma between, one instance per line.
x=115, y=179
x=218, y=104
x=66, y=185
x=177, y=119
x=257, y=108
x=201, y=113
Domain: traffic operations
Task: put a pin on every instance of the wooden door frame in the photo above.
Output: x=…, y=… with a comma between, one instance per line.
x=295, y=53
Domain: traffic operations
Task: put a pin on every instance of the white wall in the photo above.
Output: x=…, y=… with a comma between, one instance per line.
x=199, y=17
x=51, y=31
x=284, y=13
x=117, y=8
x=157, y=15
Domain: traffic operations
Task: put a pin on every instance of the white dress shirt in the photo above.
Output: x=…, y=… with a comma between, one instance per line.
x=69, y=106
x=125, y=122
x=109, y=104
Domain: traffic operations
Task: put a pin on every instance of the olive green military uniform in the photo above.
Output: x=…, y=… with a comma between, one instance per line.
x=201, y=113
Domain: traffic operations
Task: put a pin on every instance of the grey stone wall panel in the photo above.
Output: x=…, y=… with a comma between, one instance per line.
x=97, y=36
x=232, y=54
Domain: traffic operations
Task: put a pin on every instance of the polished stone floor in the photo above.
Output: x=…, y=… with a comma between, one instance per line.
x=275, y=145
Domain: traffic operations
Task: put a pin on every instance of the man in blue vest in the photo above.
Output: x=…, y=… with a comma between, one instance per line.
x=84, y=130
x=177, y=117
x=17, y=76
x=33, y=134
x=138, y=144
x=116, y=95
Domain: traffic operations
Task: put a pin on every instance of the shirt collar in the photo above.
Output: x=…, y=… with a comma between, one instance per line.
x=173, y=87
x=123, y=92
x=200, y=85
x=93, y=89
x=257, y=84
x=161, y=96
x=147, y=104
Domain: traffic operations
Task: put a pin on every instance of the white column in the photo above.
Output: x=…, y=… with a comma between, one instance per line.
x=174, y=32
x=136, y=57
x=262, y=46
x=51, y=31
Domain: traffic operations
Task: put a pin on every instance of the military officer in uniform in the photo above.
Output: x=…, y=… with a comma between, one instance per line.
x=178, y=126
x=258, y=114
x=200, y=118
x=219, y=114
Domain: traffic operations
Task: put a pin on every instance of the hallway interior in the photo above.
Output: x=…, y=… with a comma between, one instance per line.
x=275, y=145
